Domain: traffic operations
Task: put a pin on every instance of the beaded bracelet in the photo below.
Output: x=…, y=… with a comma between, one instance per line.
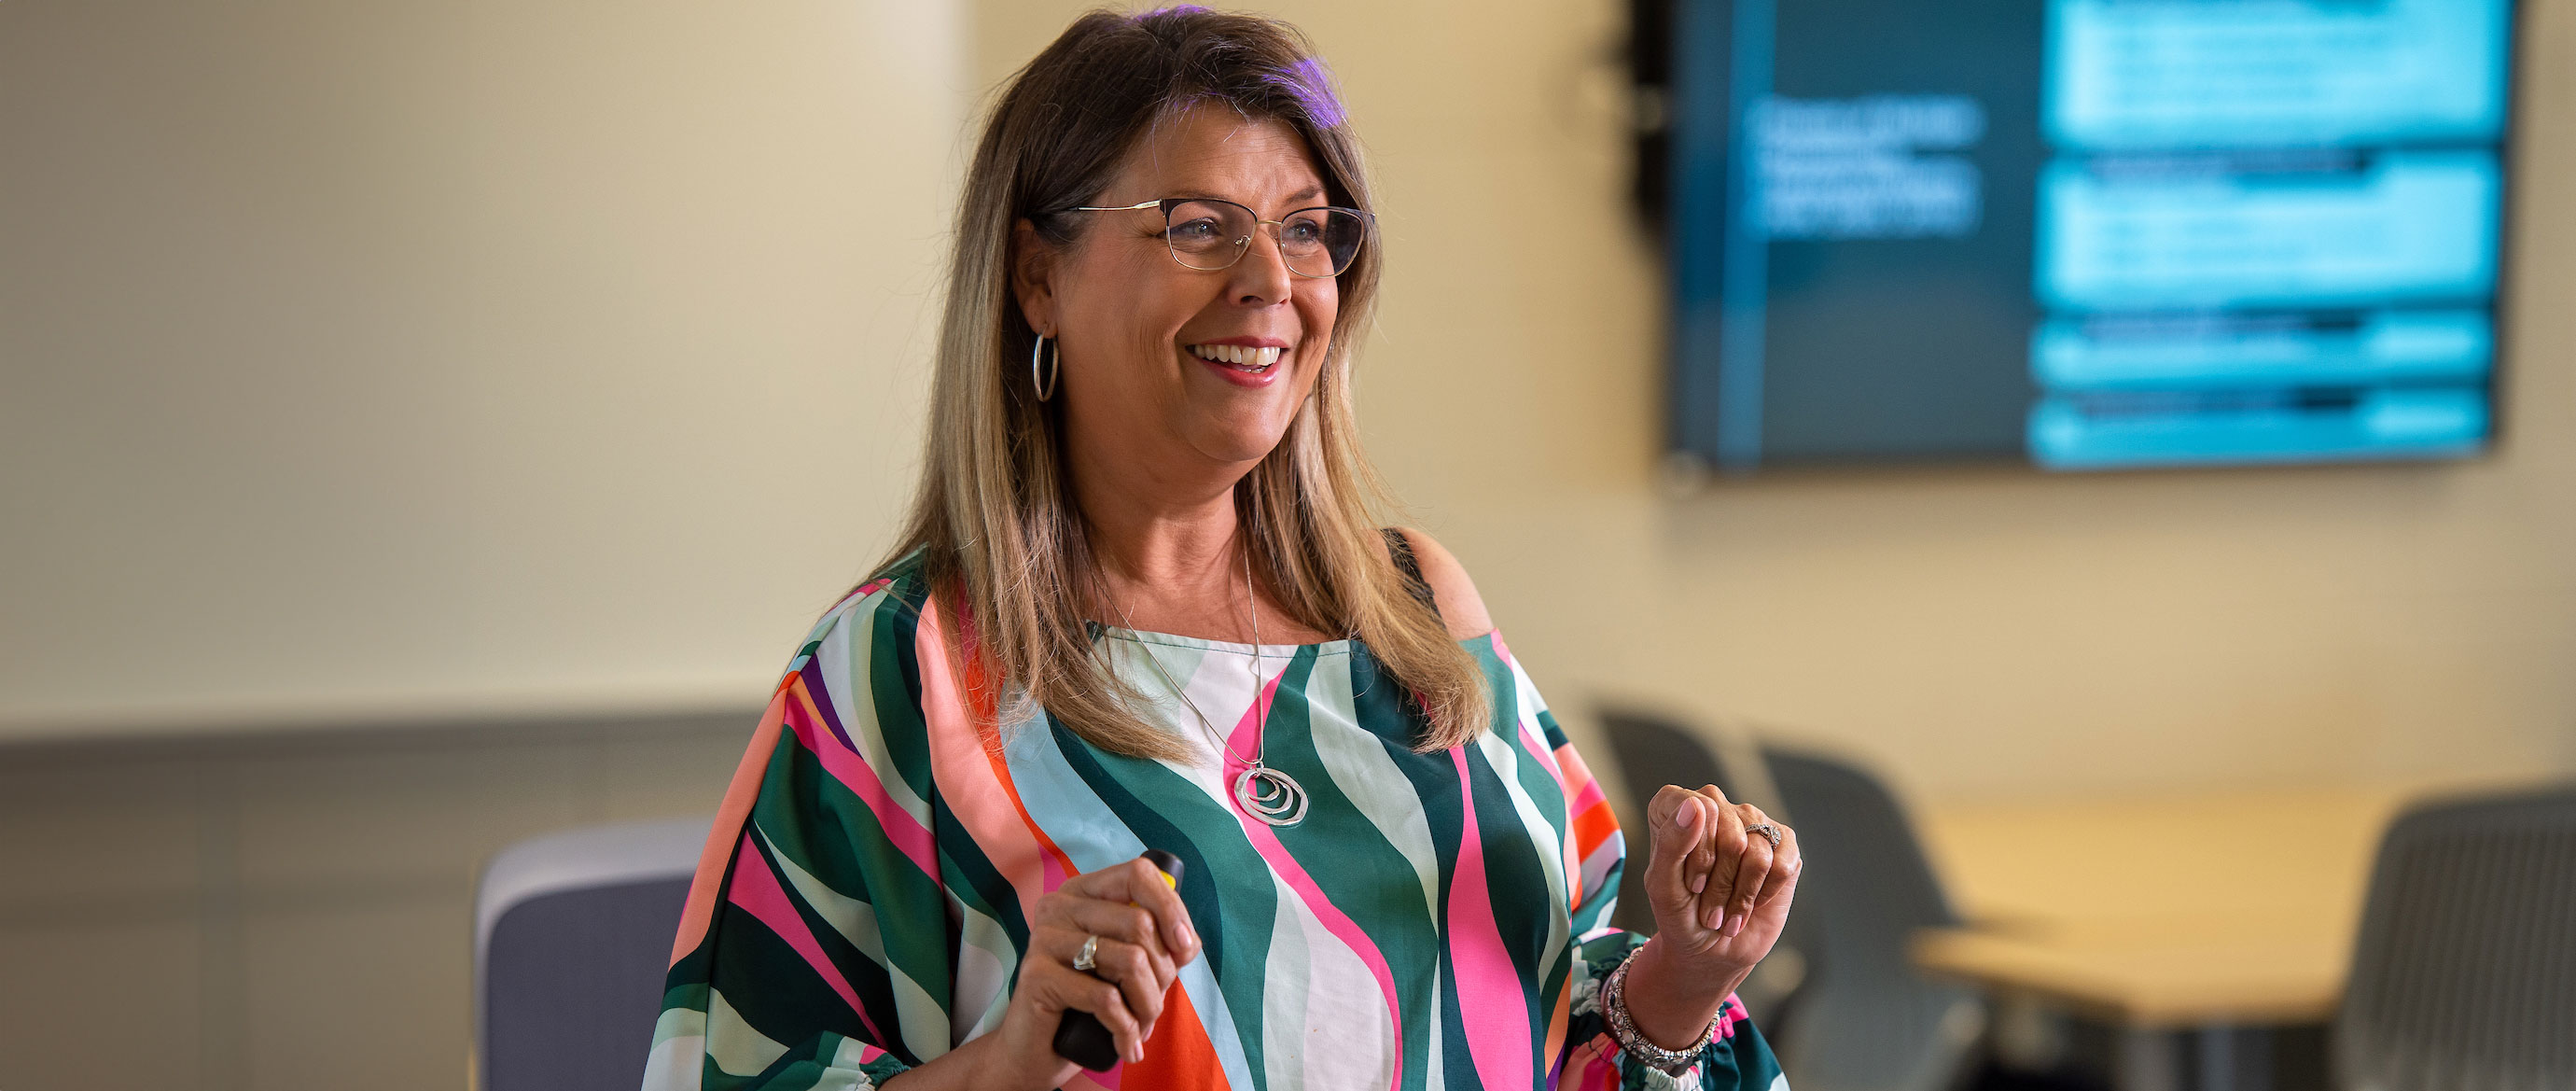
x=1623, y=1029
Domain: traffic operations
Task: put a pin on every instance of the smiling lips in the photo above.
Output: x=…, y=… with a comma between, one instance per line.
x=1247, y=359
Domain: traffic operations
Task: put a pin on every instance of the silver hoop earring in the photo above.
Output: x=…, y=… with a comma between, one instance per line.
x=1044, y=378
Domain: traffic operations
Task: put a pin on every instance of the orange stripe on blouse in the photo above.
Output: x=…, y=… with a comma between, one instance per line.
x=965, y=759
x=735, y=813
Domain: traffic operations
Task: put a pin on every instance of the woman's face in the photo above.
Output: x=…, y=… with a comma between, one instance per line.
x=1138, y=330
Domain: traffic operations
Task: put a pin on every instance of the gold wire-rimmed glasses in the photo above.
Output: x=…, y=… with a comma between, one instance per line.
x=1213, y=233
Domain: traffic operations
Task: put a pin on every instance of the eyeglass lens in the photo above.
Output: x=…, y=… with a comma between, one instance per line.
x=1316, y=242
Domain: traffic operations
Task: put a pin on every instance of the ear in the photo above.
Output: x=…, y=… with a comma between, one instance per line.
x=1032, y=272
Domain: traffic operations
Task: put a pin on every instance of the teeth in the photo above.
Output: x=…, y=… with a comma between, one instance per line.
x=1242, y=356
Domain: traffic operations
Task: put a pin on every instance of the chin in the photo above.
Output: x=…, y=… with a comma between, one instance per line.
x=1246, y=450
x=1247, y=444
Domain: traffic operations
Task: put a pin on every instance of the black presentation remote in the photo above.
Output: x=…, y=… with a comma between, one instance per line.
x=1082, y=1038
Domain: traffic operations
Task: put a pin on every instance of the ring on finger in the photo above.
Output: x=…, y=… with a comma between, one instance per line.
x=1768, y=831
x=1089, y=958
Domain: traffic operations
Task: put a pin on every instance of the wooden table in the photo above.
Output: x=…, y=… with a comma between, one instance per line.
x=2193, y=914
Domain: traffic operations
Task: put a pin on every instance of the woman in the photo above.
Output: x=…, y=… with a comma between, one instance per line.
x=1142, y=604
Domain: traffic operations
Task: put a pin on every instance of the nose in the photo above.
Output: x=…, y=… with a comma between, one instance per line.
x=1261, y=276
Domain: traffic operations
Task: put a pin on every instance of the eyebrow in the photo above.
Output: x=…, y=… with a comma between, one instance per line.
x=1310, y=193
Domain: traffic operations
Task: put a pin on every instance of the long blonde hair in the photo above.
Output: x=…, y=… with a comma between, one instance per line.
x=995, y=524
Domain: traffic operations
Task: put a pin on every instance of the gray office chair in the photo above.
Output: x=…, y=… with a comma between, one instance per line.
x=1842, y=1003
x=572, y=936
x=2464, y=975
x=1868, y=1020
x=1652, y=752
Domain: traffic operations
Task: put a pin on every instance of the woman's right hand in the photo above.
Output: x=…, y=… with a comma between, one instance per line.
x=1145, y=938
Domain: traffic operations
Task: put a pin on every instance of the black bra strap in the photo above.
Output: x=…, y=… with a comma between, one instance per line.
x=1410, y=567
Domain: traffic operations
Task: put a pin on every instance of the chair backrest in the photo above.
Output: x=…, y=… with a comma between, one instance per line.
x=2464, y=973
x=1867, y=1020
x=572, y=937
x=1652, y=751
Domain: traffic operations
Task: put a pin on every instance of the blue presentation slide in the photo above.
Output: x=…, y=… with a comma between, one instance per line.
x=2267, y=230
x=2227, y=352
x=2071, y=434
x=2324, y=229
x=2255, y=73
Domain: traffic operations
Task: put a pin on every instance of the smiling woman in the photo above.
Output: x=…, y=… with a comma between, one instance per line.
x=1394, y=870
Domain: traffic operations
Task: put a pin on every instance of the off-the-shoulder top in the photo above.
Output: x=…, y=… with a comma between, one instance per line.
x=1436, y=921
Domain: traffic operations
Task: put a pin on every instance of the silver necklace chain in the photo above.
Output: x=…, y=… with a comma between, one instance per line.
x=1268, y=795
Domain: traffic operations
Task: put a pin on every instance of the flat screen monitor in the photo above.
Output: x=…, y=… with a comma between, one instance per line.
x=2085, y=234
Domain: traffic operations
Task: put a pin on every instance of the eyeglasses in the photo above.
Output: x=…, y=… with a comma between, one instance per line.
x=1212, y=233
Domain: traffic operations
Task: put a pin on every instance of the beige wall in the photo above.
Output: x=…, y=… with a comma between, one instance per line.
x=1977, y=632
x=373, y=362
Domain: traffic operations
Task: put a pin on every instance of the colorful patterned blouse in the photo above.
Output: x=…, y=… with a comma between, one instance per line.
x=1436, y=921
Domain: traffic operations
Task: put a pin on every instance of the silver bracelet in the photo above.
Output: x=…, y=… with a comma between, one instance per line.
x=1623, y=1028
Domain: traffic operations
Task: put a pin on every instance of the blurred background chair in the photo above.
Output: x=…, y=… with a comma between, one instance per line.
x=1652, y=752
x=1837, y=998
x=572, y=935
x=2464, y=975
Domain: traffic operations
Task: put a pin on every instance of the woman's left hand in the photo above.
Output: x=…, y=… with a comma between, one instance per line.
x=1720, y=893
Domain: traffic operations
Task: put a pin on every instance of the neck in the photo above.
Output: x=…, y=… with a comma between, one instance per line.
x=1165, y=542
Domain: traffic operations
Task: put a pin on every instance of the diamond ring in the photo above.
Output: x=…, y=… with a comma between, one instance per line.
x=1087, y=960
x=1767, y=830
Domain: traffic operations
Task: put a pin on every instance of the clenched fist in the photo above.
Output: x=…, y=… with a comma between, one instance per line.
x=1719, y=890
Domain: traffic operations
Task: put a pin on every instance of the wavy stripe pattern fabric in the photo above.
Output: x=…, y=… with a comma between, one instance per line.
x=1437, y=920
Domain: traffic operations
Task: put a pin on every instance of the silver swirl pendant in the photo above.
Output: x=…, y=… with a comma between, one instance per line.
x=1270, y=795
